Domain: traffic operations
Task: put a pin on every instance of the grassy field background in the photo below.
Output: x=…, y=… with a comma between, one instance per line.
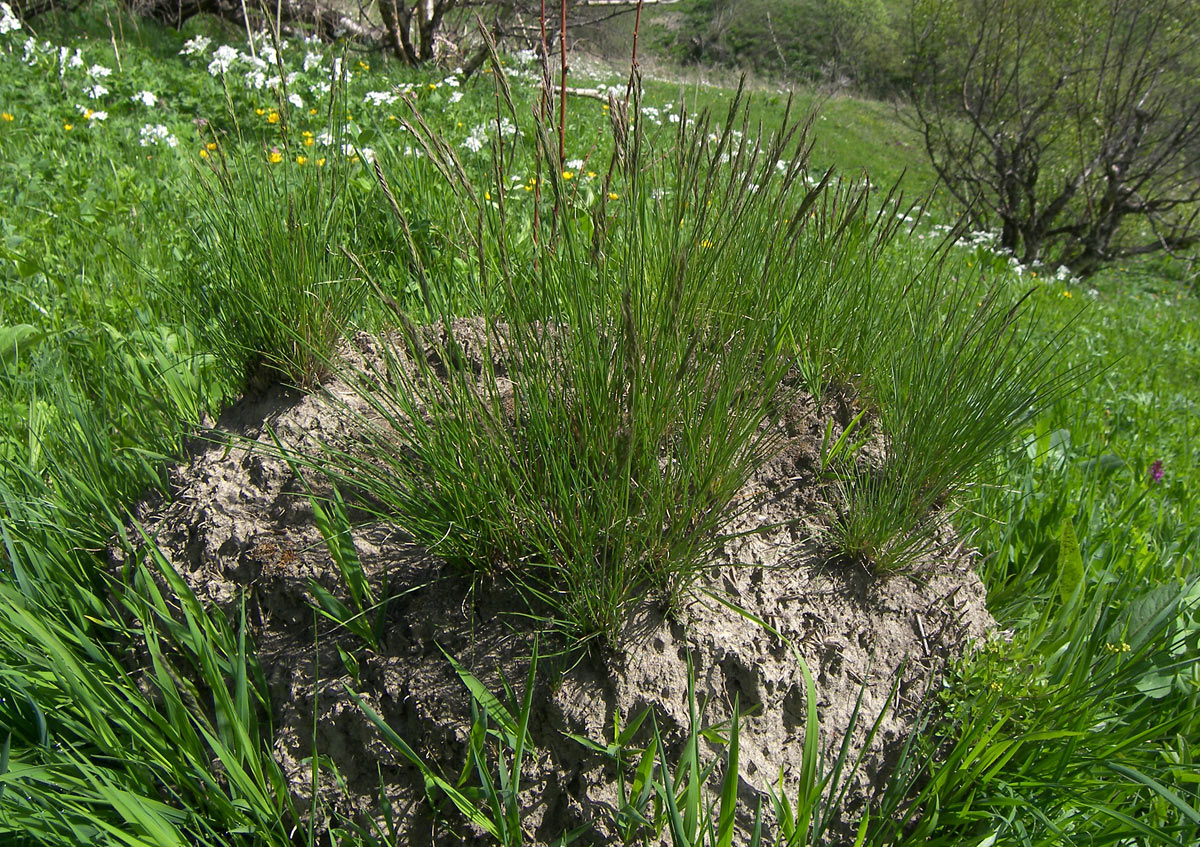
x=1078, y=727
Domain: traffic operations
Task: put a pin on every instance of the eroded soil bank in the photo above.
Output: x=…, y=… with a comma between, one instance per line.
x=239, y=526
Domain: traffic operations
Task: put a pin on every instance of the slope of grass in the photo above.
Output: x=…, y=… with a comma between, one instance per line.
x=1079, y=730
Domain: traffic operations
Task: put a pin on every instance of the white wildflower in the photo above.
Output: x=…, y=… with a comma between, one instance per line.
x=475, y=141
x=451, y=81
x=296, y=100
x=146, y=98
x=9, y=22
x=325, y=139
x=380, y=98
x=575, y=164
x=255, y=79
x=152, y=135
x=192, y=46
x=222, y=60
x=95, y=91
x=98, y=71
x=455, y=96
x=312, y=60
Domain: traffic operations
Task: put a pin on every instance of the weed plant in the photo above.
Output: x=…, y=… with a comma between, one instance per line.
x=636, y=355
x=639, y=352
x=274, y=289
x=953, y=383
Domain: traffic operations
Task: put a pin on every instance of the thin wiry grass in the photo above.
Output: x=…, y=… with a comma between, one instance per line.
x=631, y=368
x=274, y=291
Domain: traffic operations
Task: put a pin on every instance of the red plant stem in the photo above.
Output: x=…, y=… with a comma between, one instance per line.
x=562, y=97
x=537, y=178
x=633, y=64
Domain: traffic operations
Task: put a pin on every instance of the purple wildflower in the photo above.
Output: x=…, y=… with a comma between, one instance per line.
x=1156, y=471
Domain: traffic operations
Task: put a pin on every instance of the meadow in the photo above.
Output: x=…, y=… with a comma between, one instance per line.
x=189, y=218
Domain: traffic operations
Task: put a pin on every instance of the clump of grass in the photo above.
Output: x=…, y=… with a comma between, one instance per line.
x=636, y=351
x=961, y=374
x=639, y=346
x=275, y=292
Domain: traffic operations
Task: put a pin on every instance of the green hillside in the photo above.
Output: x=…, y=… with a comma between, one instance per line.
x=194, y=228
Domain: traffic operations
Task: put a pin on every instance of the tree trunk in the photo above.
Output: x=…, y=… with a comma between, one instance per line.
x=397, y=23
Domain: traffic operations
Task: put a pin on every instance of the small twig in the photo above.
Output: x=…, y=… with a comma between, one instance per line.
x=924, y=637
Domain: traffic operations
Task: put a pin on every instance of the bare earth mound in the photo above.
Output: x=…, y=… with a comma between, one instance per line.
x=239, y=525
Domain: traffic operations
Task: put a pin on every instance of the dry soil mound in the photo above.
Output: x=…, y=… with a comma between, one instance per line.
x=239, y=526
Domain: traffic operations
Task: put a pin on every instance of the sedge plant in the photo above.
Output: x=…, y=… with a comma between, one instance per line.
x=631, y=358
x=273, y=290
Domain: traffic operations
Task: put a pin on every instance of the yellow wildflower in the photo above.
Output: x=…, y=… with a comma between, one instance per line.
x=274, y=157
x=591, y=174
x=260, y=112
x=6, y=117
x=612, y=195
x=203, y=153
x=273, y=118
x=321, y=162
x=364, y=66
x=705, y=244
x=433, y=86
x=308, y=142
x=68, y=127
x=568, y=175
x=301, y=160
x=312, y=111
x=212, y=145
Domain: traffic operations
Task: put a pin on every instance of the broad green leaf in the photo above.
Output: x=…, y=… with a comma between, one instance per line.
x=18, y=339
x=1070, y=563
